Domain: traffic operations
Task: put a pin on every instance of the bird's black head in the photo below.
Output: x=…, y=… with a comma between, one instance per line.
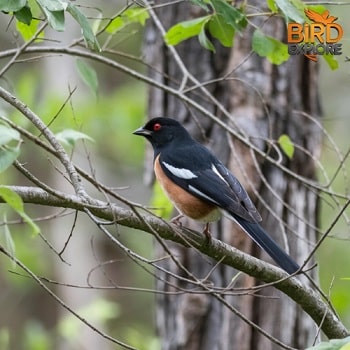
x=162, y=131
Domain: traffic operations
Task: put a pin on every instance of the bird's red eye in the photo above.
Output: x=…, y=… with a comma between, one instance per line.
x=156, y=127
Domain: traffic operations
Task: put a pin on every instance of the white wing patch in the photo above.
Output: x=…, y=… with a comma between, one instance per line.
x=180, y=172
x=216, y=171
x=200, y=193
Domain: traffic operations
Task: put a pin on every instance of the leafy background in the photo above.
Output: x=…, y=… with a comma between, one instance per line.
x=102, y=112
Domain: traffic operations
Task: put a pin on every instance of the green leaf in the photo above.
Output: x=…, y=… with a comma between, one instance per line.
x=220, y=30
x=12, y=5
x=16, y=203
x=292, y=9
x=55, y=19
x=7, y=156
x=137, y=15
x=265, y=46
x=70, y=137
x=12, y=199
x=52, y=5
x=24, y=15
x=8, y=134
x=116, y=24
x=231, y=15
x=28, y=31
x=131, y=15
x=286, y=145
x=204, y=41
x=331, y=61
x=272, y=5
x=54, y=12
x=185, y=30
x=88, y=75
x=88, y=34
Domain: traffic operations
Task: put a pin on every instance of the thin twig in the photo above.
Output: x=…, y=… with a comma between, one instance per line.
x=39, y=124
x=61, y=302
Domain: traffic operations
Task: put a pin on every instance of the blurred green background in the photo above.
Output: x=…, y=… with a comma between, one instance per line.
x=334, y=258
x=32, y=320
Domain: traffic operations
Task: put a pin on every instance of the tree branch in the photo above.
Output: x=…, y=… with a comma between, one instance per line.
x=40, y=125
x=181, y=94
x=307, y=298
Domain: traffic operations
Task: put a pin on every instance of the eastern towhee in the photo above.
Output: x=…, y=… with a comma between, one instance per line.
x=201, y=187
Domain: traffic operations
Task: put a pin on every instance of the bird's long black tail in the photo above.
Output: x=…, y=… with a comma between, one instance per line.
x=263, y=239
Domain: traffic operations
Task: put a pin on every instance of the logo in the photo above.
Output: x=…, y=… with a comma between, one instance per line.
x=319, y=37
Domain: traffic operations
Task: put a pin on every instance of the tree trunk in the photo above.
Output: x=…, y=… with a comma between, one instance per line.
x=264, y=102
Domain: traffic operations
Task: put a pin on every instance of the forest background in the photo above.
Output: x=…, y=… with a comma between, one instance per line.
x=103, y=106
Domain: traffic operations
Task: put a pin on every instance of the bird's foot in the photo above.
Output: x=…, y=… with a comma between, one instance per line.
x=176, y=220
x=206, y=231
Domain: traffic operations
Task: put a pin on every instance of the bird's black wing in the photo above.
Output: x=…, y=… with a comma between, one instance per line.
x=197, y=171
x=208, y=179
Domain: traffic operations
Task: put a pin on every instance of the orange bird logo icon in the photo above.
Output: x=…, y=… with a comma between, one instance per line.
x=323, y=18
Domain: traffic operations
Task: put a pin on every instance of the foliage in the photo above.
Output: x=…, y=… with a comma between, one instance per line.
x=223, y=21
x=54, y=11
x=286, y=145
x=70, y=137
x=266, y=46
x=97, y=126
x=127, y=17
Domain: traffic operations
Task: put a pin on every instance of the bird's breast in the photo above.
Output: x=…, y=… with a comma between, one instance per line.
x=184, y=201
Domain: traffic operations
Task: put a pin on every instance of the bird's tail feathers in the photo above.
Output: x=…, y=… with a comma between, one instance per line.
x=264, y=241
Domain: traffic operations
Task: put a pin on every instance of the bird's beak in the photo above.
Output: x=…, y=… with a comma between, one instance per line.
x=142, y=132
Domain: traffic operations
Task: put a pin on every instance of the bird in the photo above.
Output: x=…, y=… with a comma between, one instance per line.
x=202, y=188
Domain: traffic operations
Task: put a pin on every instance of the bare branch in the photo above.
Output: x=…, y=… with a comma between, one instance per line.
x=61, y=153
x=308, y=299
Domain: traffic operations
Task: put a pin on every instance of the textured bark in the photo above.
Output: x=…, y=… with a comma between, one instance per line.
x=263, y=101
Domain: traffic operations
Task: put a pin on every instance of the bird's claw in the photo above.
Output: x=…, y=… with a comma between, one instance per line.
x=207, y=233
x=176, y=220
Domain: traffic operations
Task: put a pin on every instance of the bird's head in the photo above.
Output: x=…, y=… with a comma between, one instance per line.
x=162, y=131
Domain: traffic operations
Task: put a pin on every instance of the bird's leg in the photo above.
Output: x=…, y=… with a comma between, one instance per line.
x=176, y=220
x=207, y=232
